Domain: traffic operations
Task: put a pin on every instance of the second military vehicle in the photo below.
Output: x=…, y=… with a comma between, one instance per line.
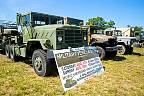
x=107, y=45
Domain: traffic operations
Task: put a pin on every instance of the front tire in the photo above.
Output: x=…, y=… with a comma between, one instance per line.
x=40, y=62
x=101, y=52
x=121, y=49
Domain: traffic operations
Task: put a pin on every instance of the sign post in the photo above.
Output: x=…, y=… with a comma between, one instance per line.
x=75, y=65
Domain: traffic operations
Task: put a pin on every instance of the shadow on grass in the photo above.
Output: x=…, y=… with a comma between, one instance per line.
x=52, y=65
x=117, y=58
x=2, y=52
x=138, y=54
x=53, y=71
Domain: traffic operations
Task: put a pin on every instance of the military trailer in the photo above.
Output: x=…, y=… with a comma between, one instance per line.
x=124, y=42
x=107, y=45
x=39, y=34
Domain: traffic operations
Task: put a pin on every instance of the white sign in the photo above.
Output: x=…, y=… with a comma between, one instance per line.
x=76, y=65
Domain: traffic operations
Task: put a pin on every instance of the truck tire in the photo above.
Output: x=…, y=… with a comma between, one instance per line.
x=121, y=49
x=13, y=56
x=101, y=52
x=40, y=62
x=7, y=50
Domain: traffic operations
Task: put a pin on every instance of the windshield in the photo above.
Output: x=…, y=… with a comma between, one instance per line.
x=113, y=33
x=94, y=31
x=117, y=33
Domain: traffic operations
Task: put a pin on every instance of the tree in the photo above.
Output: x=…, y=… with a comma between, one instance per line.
x=138, y=29
x=128, y=26
x=100, y=22
x=110, y=24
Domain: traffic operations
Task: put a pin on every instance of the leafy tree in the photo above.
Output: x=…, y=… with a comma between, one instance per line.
x=138, y=29
x=128, y=26
x=100, y=22
x=110, y=24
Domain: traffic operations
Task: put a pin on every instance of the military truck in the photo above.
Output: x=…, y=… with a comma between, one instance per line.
x=139, y=39
x=107, y=45
x=7, y=35
x=124, y=42
x=38, y=35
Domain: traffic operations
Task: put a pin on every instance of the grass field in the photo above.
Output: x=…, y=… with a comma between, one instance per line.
x=124, y=76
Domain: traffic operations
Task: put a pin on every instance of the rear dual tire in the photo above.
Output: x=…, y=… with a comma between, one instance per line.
x=13, y=55
x=10, y=52
x=7, y=50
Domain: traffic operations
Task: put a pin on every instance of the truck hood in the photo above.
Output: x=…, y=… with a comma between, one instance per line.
x=102, y=38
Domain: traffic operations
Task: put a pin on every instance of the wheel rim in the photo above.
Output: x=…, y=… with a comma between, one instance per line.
x=121, y=49
x=38, y=64
x=100, y=54
x=11, y=53
x=7, y=52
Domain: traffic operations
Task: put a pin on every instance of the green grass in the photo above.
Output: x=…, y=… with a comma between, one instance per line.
x=121, y=78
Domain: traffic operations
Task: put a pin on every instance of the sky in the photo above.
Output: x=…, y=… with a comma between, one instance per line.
x=123, y=12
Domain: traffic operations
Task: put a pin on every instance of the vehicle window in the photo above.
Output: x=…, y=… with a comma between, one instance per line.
x=118, y=33
x=109, y=33
x=26, y=20
x=98, y=32
x=142, y=33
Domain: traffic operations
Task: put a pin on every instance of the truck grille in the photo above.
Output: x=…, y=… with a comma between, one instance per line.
x=112, y=42
x=73, y=38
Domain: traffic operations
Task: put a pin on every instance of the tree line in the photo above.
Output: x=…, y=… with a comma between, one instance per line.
x=103, y=24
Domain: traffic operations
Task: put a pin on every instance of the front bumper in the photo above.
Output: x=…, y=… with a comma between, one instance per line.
x=111, y=48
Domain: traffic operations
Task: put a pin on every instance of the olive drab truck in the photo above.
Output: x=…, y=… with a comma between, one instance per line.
x=107, y=45
x=39, y=34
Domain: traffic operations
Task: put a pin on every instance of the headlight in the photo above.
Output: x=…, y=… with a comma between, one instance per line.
x=59, y=39
x=85, y=38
